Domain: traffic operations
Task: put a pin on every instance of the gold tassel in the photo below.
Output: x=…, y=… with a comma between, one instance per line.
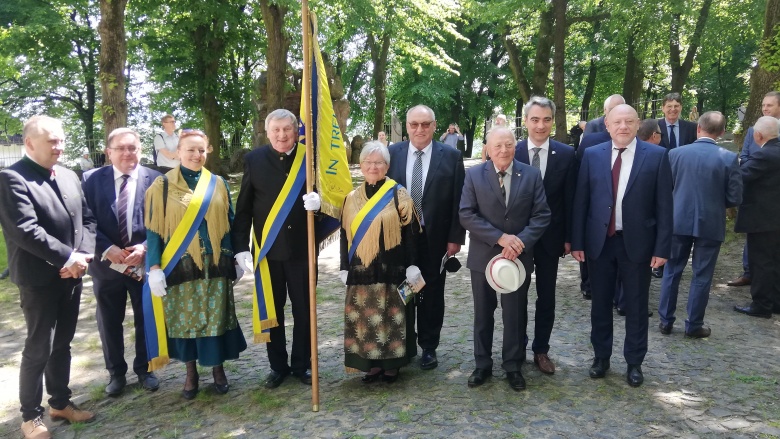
x=158, y=363
x=263, y=337
x=269, y=323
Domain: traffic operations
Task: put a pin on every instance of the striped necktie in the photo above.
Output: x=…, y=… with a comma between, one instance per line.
x=121, y=211
x=417, y=183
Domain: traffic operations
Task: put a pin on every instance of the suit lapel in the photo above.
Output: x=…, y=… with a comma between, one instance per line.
x=109, y=189
x=639, y=157
x=492, y=178
x=433, y=166
x=521, y=152
x=517, y=175
x=664, y=133
x=398, y=161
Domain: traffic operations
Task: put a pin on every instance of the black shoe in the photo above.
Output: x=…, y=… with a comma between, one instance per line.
x=479, y=376
x=699, y=333
x=753, y=312
x=599, y=368
x=586, y=295
x=516, y=380
x=665, y=329
x=274, y=379
x=634, y=375
x=428, y=360
x=304, y=376
x=390, y=379
x=190, y=394
x=221, y=384
x=658, y=272
x=149, y=381
x=116, y=385
x=372, y=377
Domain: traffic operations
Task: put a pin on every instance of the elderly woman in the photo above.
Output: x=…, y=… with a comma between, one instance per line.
x=197, y=294
x=379, y=228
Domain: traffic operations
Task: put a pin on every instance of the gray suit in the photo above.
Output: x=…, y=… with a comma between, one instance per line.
x=487, y=216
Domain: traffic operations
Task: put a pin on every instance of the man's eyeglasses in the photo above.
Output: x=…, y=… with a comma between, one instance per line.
x=130, y=149
x=424, y=125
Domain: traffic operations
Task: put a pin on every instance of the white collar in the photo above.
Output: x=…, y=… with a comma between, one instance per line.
x=118, y=174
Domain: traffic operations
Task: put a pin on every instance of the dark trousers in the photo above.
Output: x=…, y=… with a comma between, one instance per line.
x=745, y=265
x=290, y=278
x=705, y=256
x=546, y=277
x=764, y=260
x=635, y=277
x=111, y=295
x=513, y=313
x=51, y=313
x=430, y=302
x=584, y=278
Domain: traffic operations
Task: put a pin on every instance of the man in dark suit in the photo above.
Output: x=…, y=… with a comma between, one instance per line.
x=115, y=194
x=50, y=235
x=558, y=167
x=622, y=223
x=598, y=124
x=433, y=173
x=675, y=131
x=770, y=106
x=265, y=171
x=706, y=182
x=757, y=217
x=504, y=209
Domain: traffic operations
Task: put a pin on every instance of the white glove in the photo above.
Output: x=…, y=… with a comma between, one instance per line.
x=239, y=272
x=245, y=261
x=157, y=282
x=312, y=201
x=413, y=274
x=343, y=276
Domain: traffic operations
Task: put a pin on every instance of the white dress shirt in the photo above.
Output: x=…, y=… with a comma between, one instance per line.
x=507, y=181
x=625, y=171
x=543, y=154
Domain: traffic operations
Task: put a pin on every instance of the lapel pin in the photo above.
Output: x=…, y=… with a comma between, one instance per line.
x=517, y=175
x=553, y=152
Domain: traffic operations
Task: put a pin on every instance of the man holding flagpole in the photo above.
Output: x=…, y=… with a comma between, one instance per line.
x=273, y=201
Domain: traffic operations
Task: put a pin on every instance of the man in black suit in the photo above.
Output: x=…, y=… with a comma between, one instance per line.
x=598, y=125
x=675, y=131
x=433, y=173
x=622, y=223
x=50, y=235
x=115, y=194
x=558, y=167
x=757, y=217
x=265, y=171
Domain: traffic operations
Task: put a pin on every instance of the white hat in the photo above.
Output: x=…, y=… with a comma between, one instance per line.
x=503, y=275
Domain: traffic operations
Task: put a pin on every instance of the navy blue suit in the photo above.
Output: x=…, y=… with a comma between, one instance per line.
x=590, y=140
x=110, y=286
x=441, y=195
x=647, y=231
x=596, y=125
x=706, y=181
x=685, y=133
x=559, y=180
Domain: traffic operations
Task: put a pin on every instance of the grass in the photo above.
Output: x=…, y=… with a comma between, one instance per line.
x=266, y=401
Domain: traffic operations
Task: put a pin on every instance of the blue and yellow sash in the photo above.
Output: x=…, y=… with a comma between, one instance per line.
x=264, y=311
x=154, y=314
x=366, y=215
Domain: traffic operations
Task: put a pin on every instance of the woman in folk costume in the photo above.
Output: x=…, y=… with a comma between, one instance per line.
x=197, y=289
x=379, y=229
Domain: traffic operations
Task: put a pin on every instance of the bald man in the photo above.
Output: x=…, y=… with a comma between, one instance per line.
x=598, y=125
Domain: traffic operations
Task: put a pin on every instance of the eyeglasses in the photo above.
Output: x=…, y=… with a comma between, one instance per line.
x=658, y=132
x=130, y=149
x=377, y=164
x=424, y=125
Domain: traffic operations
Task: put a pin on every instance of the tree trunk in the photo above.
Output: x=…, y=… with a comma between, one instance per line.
x=761, y=80
x=559, y=58
x=210, y=38
x=633, y=64
x=379, y=52
x=544, y=42
x=113, y=56
x=516, y=66
x=680, y=71
x=276, y=54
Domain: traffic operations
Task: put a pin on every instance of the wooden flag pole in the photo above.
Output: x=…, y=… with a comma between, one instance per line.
x=307, y=59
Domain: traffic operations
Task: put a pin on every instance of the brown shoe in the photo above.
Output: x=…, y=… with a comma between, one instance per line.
x=741, y=281
x=545, y=365
x=71, y=413
x=35, y=429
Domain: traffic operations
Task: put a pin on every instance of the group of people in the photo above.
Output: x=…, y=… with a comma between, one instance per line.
x=621, y=205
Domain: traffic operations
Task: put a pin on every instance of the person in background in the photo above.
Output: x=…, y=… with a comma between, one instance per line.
x=85, y=163
x=165, y=145
x=452, y=136
x=382, y=138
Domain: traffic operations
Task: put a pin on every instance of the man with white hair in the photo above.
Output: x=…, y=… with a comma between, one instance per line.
x=598, y=125
x=757, y=217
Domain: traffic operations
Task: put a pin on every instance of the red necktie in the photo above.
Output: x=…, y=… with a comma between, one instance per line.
x=615, y=182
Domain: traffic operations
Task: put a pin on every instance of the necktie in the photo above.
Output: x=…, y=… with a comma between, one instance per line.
x=121, y=211
x=672, y=137
x=615, y=182
x=417, y=183
x=535, y=160
x=501, y=175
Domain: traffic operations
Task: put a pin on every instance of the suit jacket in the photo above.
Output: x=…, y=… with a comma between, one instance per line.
x=686, y=132
x=44, y=220
x=706, y=181
x=100, y=193
x=591, y=140
x=596, y=125
x=487, y=216
x=749, y=145
x=264, y=177
x=760, y=209
x=441, y=195
x=647, y=203
x=559, y=180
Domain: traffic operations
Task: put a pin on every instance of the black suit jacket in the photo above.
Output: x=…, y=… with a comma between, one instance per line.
x=44, y=220
x=264, y=177
x=686, y=130
x=591, y=140
x=559, y=183
x=100, y=193
x=441, y=197
x=760, y=210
